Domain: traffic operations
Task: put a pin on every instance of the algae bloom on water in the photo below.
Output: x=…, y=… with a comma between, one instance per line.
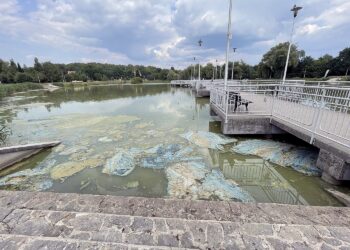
x=208, y=139
x=300, y=159
x=194, y=180
x=122, y=164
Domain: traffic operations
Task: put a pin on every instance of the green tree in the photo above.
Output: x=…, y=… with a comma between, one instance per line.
x=274, y=61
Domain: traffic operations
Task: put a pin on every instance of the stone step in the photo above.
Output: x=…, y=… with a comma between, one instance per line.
x=15, y=242
x=183, y=209
x=169, y=232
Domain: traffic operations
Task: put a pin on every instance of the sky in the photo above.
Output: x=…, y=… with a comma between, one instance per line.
x=165, y=33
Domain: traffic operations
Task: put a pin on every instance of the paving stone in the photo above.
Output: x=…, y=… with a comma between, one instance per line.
x=215, y=235
x=186, y=240
x=168, y=240
x=300, y=245
x=198, y=230
x=277, y=243
x=255, y=243
x=340, y=233
x=142, y=225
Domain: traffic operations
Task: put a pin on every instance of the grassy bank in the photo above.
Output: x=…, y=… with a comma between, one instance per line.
x=96, y=83
x=9, y=89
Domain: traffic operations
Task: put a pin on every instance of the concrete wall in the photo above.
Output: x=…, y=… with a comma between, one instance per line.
x=243, y=125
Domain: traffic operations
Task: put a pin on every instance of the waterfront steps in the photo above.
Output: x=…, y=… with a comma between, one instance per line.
x=70, y=221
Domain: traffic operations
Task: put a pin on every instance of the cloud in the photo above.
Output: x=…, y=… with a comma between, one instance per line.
x=165, y=33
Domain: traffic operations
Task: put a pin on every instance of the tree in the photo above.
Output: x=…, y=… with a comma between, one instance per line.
x=274, y=61
x=37, y=65
x=342, y=62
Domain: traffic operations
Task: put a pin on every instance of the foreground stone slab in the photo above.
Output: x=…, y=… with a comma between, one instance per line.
x=73, y=221
x=183, y=209
x=13, y=242
x=170, y=232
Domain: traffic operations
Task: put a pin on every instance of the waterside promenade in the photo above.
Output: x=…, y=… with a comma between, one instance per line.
x=315, y=112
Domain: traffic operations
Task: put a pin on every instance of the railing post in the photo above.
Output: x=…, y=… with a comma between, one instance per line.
x=273, y=101
x=317, y=117
x=226, y=105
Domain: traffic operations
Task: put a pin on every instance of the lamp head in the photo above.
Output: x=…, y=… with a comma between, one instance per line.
x=295, y=10
x=200, y=42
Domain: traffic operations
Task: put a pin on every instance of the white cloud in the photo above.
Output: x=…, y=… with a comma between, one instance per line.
x=165, y=32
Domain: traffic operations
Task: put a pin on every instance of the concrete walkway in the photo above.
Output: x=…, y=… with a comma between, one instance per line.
x=57, y=221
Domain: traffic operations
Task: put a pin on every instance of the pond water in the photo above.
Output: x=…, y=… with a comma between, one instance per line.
x=151, y=141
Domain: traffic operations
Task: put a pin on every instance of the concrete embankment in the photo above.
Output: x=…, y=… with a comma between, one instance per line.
x=14, y=154
x=56, y=221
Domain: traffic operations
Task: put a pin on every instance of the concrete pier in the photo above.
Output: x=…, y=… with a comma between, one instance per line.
x=71, y=221
x=333, y=160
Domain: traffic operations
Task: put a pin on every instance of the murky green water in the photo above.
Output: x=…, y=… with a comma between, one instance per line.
x=95, y=123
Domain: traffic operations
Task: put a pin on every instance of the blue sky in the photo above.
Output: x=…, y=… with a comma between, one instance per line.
x=165, y=32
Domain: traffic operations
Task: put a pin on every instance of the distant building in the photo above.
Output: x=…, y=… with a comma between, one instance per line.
x=70, y=72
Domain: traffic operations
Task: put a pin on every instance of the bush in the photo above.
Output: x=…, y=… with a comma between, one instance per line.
x=136, y=80
x=9, y=89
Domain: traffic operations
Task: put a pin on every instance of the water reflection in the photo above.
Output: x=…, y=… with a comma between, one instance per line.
x=263, y=181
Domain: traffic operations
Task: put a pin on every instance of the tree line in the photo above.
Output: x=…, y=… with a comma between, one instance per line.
x=12, y=72
x=273, y=63
x=271, y=66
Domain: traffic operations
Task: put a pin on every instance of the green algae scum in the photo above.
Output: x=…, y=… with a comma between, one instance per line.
x=151, y=141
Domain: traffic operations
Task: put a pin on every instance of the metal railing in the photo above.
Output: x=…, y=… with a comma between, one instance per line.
x=319, y=110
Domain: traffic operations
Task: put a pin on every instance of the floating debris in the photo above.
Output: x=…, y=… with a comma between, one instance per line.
x=105, y=139
x=161, y=156
x=300, y=159
x=67, y=169
x=72, y=150
x=122, y=164
x=208, y=139
x=193, y=180
x=133, y=184
x=84, y=184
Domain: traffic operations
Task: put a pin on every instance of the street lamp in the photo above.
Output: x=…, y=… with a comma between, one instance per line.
x=216, y=68
x=199, y=65
x=194, y=68
x=233, y=61
x=295, y=11
x=229, y=38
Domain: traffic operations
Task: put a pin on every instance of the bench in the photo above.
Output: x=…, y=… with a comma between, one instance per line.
x=238, y=100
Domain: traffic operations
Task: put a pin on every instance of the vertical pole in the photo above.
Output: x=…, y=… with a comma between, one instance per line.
x=229, y=37
x=288, y=54
x=199, y=71
x=233, y=62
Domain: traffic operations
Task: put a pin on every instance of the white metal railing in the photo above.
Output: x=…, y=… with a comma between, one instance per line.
x=319, y=110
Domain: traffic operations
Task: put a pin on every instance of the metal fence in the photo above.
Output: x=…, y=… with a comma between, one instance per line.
x=318, y=110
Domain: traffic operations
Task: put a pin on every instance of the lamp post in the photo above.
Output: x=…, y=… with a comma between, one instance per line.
x=216, y=68
x=200, y=42
x=295, y=11
x=233, y=61
x=229, y=37
x=194, y=68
